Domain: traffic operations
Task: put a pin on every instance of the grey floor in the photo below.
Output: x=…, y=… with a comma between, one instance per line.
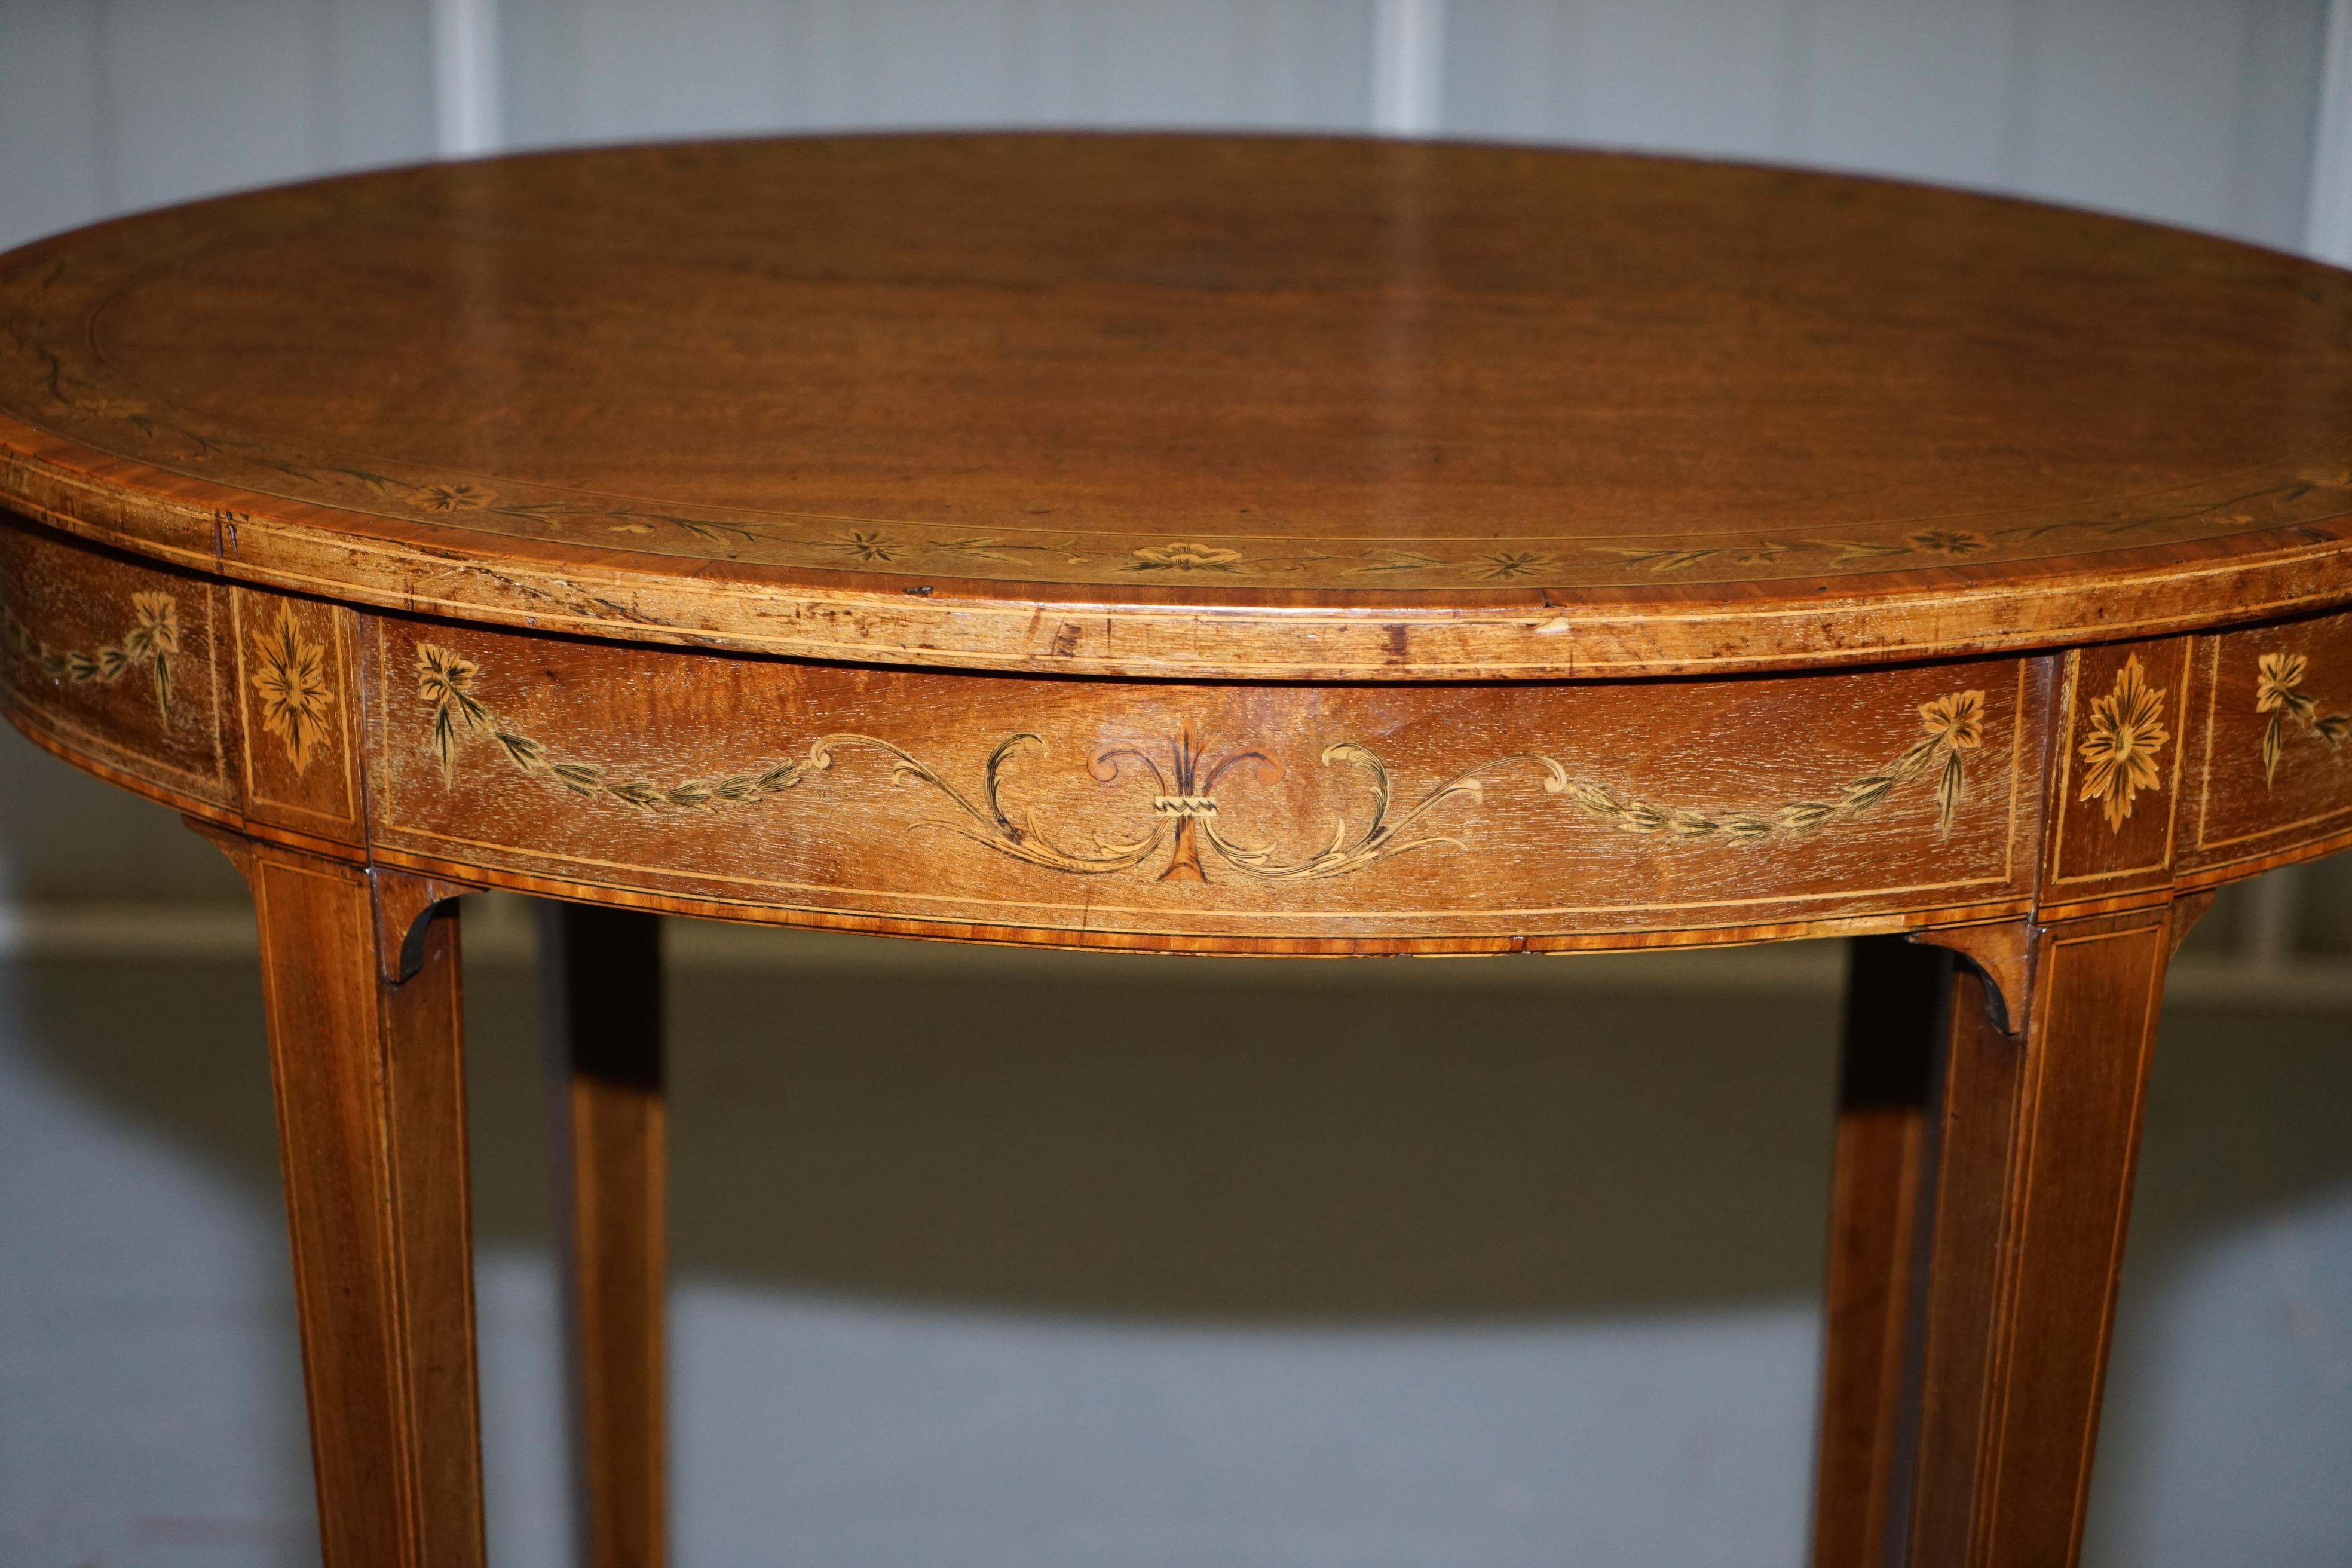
x=1149, y=1262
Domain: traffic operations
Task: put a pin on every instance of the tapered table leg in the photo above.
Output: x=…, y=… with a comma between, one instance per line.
x=601, y=996
x=1894, y=1011
x=369, y=1082
x=2024, y=1181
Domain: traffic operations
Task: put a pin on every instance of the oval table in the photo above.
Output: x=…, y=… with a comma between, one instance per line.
x=1198, y=545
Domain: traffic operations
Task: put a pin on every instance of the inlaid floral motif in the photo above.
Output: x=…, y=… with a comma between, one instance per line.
x=148, y=643
x=290, y=678
x=1186, y=817
x=2126, y=731
x=446, y=683
x=452, y=498
x=2278, y=692
x=1948, y=542
x=869, y=545
x=1954, y=724
x=1510, y=565
x=1183, y=556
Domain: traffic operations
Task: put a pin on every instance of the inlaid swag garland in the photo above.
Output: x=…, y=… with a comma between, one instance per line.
x=147, y=643
x=1185, y=816
x=289, y=675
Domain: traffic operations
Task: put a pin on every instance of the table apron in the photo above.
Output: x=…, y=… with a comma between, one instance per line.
x=1274, y=818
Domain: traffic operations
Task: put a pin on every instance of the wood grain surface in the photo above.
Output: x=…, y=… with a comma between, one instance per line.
x=369, y=1078
x=1190, y=405
x=2031, y=1144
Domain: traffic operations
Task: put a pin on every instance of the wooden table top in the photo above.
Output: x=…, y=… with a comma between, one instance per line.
x=1226, y=407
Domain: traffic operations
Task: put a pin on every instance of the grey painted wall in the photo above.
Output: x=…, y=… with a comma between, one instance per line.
x=2194, y=111
x=2191, y=112
x=607, y=71
x=1019, y=1259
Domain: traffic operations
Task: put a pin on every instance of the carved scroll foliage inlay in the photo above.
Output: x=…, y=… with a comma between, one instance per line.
x=148, y=643
x=2278, y=692
x=2124, y=734
x=1186, y=817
